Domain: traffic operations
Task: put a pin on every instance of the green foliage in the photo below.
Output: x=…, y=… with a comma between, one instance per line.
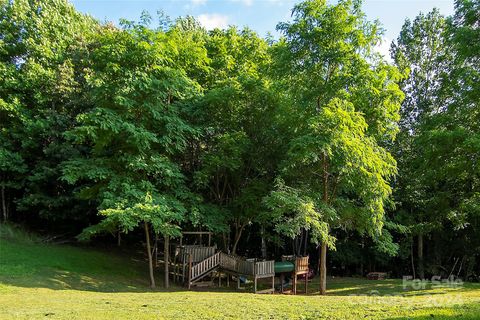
x=425, y=34
x=109, y=127
x=39, y=98
x=437, y=148
x=344, y=104
x=293, y=212
x=237, y=148
x=130, y=137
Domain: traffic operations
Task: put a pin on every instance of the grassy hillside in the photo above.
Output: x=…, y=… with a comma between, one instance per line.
x=26, y=262
x=39, y=281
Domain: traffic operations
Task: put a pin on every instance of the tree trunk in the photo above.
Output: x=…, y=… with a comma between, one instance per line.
x=4, y=206
x=238, y=234
x=413, y=263
x=299, y=244
x=149, y=251
x=437, y=252
x=323, y=247
x=323, y=268
x=305, y=244
x=167, y=260
x=264, y=244
x=225, y=244
x=421, y=271
x=361, y=259
x=155, y=250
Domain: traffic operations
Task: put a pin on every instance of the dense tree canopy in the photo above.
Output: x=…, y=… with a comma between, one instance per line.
x=437, y=184
x=347, y=101
x=278, y=146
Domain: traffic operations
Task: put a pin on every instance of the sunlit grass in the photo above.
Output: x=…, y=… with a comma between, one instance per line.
x=40, y=281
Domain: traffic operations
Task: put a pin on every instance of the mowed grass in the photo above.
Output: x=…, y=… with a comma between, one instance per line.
x=40, y=281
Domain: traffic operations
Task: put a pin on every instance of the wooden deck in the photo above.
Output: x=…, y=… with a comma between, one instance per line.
x=198, y=269
x=193, y=263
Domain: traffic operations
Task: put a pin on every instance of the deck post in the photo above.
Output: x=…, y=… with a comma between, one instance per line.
x=166, y=258
x=295, y=283
x=282, y=279
x=183, y=268
x=273, y=284
x=189, y=271
x=255, y=276
x=306, y=283
x=174, y=265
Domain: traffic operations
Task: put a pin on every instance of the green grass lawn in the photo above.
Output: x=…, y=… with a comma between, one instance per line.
x=62, y=282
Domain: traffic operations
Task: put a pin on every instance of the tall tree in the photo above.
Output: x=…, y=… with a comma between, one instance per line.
x=457, y=131
x=237, y=150
x=344, y=106
x=130, y=138
x=39, y=99
x=421, y=50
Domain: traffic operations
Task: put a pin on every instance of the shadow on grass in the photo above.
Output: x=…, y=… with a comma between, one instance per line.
x=61, y=267
x=389, y=287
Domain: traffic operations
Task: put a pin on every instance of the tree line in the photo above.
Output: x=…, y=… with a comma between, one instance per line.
x=308, y=141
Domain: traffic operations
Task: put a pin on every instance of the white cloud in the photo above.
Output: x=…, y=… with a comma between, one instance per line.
x=245, y=2
x=212, y=21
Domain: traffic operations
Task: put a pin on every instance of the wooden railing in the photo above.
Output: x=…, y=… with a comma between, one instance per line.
x=244, y=267
x=197, y=253
x=301, y=264
x=197, y=271
x=264, y=267
x=229, y=262
x=204, y=266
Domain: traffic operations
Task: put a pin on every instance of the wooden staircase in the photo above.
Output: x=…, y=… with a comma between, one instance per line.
x=232, y=265
x=203, y=268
